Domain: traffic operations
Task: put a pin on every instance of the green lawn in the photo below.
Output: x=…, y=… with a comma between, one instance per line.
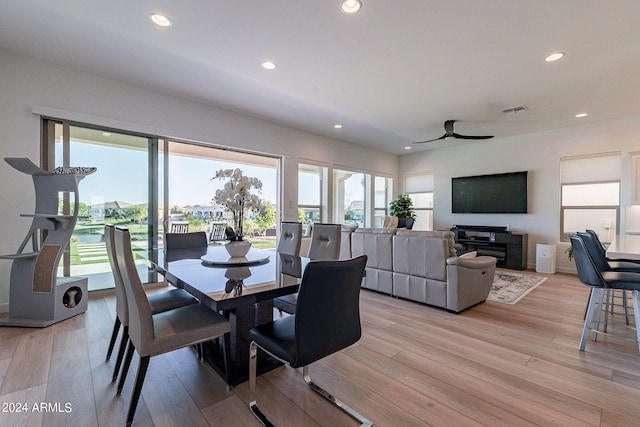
x=263, y=243
x=95, y=253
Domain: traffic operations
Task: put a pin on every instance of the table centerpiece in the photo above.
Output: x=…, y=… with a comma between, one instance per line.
x=237, y=197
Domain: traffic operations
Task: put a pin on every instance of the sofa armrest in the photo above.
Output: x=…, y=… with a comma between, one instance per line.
x=476, y=262
x=469, y=281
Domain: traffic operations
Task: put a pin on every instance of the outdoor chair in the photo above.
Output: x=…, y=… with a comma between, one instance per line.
x=158, y=301
x=150, y=334
x=600, y=282
x=179, y=227
x=217, y=232
x=327, y=320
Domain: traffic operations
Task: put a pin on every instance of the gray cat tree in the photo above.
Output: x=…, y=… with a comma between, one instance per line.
x=39, y=298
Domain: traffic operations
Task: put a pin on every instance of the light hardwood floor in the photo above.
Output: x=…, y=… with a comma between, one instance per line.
x=492, y=365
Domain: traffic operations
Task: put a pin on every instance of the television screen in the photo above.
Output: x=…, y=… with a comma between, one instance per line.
x=499, y=193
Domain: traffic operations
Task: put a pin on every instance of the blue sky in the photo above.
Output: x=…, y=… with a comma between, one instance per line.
x=122, y=175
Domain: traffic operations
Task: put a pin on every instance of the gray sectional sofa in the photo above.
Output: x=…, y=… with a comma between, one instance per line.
x=422, y=266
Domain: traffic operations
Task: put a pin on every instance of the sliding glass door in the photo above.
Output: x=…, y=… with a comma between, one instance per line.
x=117, y=193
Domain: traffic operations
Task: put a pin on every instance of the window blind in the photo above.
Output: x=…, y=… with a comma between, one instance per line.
x=595, y=168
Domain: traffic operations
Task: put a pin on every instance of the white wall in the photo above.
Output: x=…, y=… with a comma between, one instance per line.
x=537, y=153
x=25, y=83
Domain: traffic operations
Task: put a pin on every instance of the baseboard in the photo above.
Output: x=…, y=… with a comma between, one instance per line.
x=567, y=270
x=4, y=307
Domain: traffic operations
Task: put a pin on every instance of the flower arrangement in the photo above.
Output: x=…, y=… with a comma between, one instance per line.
x=237, y=197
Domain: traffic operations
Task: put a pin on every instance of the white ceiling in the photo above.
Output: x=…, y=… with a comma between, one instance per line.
x=390, y=74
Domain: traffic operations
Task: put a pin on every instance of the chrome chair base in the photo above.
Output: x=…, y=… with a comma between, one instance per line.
x=364, y=422
x=596, y=302
x=253, y=405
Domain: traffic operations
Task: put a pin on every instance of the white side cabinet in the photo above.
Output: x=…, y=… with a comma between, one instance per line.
x=545, y=258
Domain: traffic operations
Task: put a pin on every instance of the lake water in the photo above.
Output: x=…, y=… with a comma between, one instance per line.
x=89, y=238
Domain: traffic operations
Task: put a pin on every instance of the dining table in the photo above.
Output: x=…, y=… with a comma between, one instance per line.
x=242, y=289
x=624, y=246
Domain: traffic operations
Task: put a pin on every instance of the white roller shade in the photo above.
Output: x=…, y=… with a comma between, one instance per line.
x=418, y=183
x=597, y=168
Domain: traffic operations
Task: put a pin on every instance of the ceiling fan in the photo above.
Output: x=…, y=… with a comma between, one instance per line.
x=449, y=133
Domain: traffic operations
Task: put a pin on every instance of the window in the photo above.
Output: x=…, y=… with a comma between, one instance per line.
x=420, y=188
x=590, y=195
x=350, y=202
x=144, y=183
x=311, y=196
x=382, y=196
x=190, y=189
x=106, y=196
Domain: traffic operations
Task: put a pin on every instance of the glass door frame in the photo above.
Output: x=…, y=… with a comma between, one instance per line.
x=48, y=161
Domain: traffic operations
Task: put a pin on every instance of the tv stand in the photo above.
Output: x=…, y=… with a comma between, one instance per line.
x=509, y=248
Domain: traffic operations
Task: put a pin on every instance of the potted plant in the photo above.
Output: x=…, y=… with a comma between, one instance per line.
x=238, y=198
x=402, y=208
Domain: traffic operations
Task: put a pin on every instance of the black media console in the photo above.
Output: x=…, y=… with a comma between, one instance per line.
x=509, y=248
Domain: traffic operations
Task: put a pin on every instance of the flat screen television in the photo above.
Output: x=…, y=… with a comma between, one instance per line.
x=498, y=193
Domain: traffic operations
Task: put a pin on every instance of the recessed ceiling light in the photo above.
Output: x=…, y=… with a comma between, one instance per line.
x=581, y=115
x=268, y=65
x=337, y=126
x=407, y=148
x=554, y=56
x=161, y=20
x=106, y=133
x=350, y=6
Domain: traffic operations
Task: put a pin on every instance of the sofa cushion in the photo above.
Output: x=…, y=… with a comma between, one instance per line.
x=345, y=241
x=376, y=244
x=449, y=235
x=378, y=280
x=420, y=256
x=427, y=291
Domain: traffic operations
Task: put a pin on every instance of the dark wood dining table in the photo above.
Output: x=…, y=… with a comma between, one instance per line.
x=240, y=288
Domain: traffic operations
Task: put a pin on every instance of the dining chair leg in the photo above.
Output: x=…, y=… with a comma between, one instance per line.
x=625, y=305
x=253, y=404
x=586, y=308
x=635, y=295
x=125, y=367
x=593, y=301
x=114, y=336
x=609, y=294
x=121, y=350
x=596, y=328
x=137, y=388
x=364, y=422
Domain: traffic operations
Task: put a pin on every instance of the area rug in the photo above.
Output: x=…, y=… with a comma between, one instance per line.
x=509, y=288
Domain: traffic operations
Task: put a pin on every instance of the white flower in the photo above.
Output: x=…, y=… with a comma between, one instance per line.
x=236, y=196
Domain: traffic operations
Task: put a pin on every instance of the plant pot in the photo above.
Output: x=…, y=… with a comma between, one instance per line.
x=238, y=249
x=405, y=222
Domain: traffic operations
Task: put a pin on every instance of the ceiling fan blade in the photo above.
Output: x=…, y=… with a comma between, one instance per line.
x=448, y=127
x=431, y=140
x=457, y=135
